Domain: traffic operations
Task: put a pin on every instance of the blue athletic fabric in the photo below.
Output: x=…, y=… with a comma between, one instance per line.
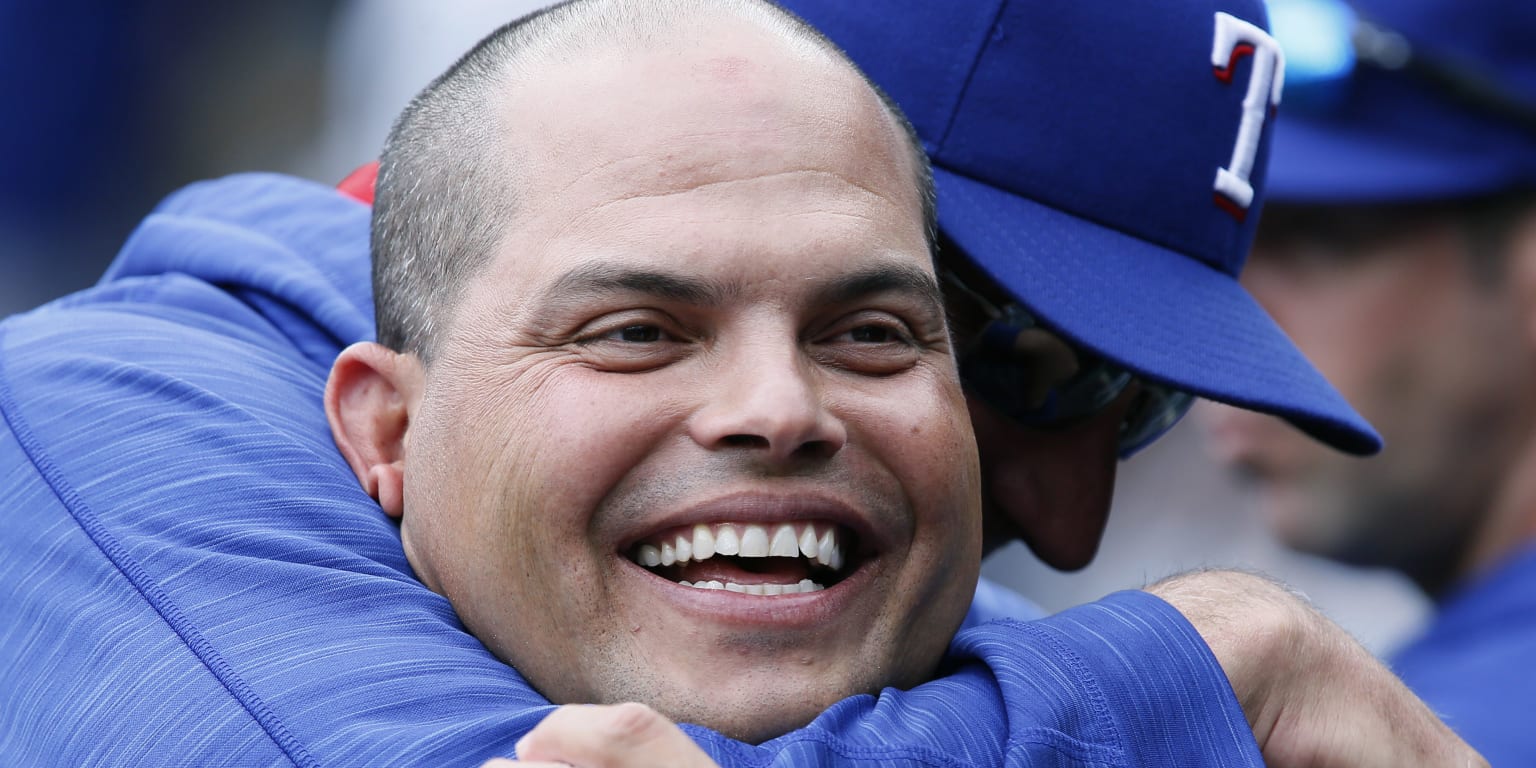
x=1476, y=665
x=193, y=577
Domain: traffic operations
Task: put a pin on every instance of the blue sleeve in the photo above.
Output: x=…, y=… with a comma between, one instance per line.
x=1142, y=664
x=196, y=578
x=1125, y=681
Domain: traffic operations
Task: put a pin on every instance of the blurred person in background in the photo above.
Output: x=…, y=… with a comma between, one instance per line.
x=1398, y=250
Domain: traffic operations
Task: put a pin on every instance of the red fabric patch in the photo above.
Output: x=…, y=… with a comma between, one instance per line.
x=358, y=184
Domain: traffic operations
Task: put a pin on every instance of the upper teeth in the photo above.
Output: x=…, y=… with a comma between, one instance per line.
x=744, y=540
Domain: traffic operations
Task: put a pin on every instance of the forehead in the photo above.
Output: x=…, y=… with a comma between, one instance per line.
x=716, y=107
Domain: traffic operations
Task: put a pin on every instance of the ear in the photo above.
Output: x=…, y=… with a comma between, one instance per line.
x=369, y=400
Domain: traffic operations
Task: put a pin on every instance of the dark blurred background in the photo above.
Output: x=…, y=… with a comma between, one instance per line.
x=112, y=104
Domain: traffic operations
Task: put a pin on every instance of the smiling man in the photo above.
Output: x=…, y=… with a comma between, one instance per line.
x=684, y=427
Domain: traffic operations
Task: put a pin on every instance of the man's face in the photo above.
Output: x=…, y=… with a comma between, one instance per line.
x=712, y=324
x=1430, y=352
x=1049, y=486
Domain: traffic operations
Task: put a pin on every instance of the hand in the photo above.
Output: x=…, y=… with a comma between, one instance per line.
x=1313, y=696
x=595, y=736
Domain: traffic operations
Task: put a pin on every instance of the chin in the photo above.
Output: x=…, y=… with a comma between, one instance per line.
x=758, y=726
x=750, y=713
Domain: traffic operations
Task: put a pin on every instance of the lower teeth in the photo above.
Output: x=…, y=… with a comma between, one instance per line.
x=805, y=585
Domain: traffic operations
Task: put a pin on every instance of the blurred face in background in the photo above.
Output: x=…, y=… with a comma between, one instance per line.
x=1419, y=320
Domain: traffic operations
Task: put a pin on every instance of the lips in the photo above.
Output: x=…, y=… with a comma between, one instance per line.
x=763, y=559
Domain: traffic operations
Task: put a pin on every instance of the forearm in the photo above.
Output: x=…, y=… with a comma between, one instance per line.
x=1312, y=695
x=1252, y=625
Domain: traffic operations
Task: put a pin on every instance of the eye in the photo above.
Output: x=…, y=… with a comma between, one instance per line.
x=873, y=334
x=871, y=343
x=632, y=342
x=638, y=333
x=880, y=332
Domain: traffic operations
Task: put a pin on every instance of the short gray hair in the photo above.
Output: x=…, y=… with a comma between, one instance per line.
x=444, y=191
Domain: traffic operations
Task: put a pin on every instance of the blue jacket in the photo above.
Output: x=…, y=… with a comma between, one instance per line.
x=1476, y=663
x=193, y=576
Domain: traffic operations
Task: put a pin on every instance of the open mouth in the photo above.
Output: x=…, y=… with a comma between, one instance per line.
x=750, y=558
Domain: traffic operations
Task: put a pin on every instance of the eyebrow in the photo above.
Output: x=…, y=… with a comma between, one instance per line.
x=593, y=280
x=883, y=278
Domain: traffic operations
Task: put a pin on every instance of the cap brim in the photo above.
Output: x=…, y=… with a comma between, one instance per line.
x=1159, y=313
x=1317, y=162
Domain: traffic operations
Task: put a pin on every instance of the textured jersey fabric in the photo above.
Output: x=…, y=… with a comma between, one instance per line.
x=1476, y=663
x=193, y=576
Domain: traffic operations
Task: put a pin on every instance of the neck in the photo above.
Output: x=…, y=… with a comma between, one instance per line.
x=1508, y=526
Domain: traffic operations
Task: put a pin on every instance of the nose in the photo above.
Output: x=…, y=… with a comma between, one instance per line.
x=770, y=402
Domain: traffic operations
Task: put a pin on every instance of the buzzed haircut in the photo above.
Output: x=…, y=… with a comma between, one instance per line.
x=445, y=191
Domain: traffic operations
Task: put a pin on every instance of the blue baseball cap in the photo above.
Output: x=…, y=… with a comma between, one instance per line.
x=1106, y=162
x=1402, y=101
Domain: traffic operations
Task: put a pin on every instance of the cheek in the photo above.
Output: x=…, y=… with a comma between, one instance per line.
x=594, y=428
x=1370, y=327
x=1424, y=361
x=502, y=492
x=512, y=472
x=922, y=433
x=923, y=439
x=465, y=470
x=1350, y=339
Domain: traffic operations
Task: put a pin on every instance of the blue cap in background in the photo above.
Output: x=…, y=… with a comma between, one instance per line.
x=1105, y=162
x=1422, y=100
